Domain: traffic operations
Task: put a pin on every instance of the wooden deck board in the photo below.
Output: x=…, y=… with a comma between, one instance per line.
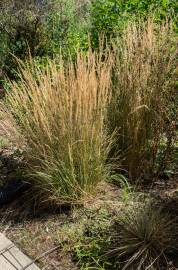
x=11, y=258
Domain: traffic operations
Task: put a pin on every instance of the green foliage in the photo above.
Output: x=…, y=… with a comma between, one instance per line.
x=22, y=32
x=44, y=29
x=67, y=27
x=50, y=28
x=91, y=244
x=141, y=237
x=110, y=16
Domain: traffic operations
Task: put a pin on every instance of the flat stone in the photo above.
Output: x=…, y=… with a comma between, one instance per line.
x=11, y=258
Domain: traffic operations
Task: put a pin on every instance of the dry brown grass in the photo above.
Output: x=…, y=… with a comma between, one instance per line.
x=143, y=108
x=60, y=114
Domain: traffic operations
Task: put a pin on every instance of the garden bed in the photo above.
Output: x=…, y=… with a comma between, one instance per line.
x=37, y=231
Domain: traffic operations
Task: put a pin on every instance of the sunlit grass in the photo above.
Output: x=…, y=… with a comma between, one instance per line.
x=60, y=113
x=143, y=108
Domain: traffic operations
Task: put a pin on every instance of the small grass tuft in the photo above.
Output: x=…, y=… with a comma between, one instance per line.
x=141, y=236
x=144, y=236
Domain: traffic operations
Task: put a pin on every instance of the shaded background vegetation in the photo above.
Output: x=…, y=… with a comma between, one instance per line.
x=45, y=28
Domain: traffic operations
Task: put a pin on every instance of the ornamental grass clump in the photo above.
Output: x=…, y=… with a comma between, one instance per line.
x=143, y=238
x=59, y=112
x=143, y=109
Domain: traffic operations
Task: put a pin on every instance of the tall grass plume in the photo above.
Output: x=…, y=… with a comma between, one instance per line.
x=143, y=108
x=60, y=112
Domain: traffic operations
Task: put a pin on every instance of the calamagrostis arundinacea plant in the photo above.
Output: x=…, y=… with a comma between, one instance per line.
x=143, y=108
x=60, y=114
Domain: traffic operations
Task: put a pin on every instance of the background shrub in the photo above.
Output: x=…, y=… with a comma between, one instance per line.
x=49, y=28
x=110, y=16
x=22, y=31
x=67, y=26
x=42, y=28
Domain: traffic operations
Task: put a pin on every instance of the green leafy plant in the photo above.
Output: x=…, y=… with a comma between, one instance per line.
x=91, y=244
x=67, y=27
x=22, y=30
x=111, y=16
x=43, y=29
